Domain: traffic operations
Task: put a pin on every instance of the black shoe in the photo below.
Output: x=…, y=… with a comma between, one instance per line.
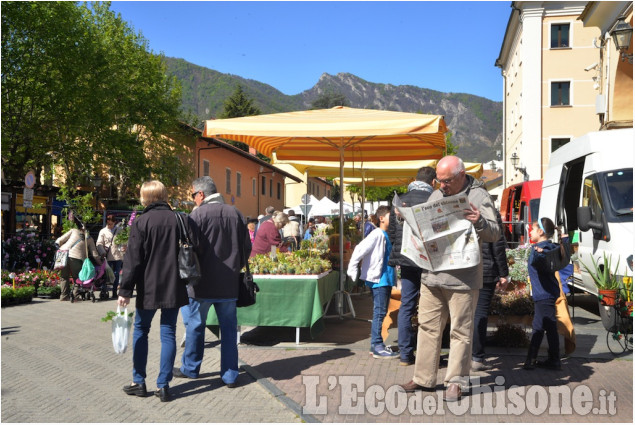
x=135, y=389
x=163, y=394
x=232, y=385
x=549, y=364
x=530, y=364
x=176, y=372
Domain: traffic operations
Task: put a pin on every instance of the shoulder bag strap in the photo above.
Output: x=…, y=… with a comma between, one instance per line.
x=242, y=252
x=183, y=236
x=112, y=241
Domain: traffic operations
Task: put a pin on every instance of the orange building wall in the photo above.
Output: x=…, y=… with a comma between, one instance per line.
x=250, y=204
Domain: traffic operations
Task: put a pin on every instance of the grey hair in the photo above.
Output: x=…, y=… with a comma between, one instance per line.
x=280, y=218
x=269, y=210
x=204, y=184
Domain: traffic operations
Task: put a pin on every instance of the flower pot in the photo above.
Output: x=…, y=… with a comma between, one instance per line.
x=607, y=296
x=627, y=310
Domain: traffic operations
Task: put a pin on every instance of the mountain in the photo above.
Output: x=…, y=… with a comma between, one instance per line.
x=475, y=122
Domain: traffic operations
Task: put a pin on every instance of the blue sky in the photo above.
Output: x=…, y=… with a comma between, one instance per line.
x=446, y=46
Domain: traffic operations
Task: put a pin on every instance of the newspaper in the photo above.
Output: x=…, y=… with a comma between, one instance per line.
x=436, y=236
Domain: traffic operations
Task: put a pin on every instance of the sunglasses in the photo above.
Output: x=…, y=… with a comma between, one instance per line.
x=194, y=194
x=447, y=181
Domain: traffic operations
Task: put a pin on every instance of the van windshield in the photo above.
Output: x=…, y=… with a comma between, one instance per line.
x=620, y=191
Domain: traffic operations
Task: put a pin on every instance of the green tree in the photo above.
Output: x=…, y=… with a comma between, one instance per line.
x=239, y=105
x=329, y=100
x=450, y=148
x=82, y=91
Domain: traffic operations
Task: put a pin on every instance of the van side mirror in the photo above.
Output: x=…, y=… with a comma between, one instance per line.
x=600, y=228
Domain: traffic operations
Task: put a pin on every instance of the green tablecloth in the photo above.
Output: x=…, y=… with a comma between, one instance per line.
x=294, y=301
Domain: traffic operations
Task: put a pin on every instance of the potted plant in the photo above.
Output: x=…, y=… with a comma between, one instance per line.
x=604, y=279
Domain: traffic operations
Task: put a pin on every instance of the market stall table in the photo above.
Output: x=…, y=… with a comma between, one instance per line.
x=287, y=300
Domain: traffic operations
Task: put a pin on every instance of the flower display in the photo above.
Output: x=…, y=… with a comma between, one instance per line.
x=517, y=259
x=27, y=251
x=515, y=302
x=121, y=238
x=296, y=263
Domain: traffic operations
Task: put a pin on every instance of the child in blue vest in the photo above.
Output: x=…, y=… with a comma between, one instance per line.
x=373, y=252
x=545, y=290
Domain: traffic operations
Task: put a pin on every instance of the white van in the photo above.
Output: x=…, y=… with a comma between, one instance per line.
x=589, y=186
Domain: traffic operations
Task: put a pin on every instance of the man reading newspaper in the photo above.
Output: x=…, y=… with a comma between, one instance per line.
x=444, y=237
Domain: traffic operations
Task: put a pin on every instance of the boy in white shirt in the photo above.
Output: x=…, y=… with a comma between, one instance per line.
x=373, y=252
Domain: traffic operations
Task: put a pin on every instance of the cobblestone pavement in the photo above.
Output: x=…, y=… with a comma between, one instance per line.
x=336, y=379
x=58, y=365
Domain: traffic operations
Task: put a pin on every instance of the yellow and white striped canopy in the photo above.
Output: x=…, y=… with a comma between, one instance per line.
x=374, y=173
x=337, y=134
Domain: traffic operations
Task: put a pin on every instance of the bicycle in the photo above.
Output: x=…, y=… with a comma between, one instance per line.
x=619, y=336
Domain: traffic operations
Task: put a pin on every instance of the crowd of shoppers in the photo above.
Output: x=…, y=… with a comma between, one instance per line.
x=223, y=240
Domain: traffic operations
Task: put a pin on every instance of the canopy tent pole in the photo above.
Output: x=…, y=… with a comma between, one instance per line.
x=363, y=201
x=341, y=293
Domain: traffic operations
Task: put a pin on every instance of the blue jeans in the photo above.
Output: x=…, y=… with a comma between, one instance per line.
x=143, y=320
x=485, y=295
x=381, y=297
x=116, y=268
x=195, y=318
x=410, y=284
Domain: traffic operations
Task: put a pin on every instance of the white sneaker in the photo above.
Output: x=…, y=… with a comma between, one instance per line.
x=480, y=366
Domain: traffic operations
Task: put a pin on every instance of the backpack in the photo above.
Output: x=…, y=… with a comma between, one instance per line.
x=554, y=261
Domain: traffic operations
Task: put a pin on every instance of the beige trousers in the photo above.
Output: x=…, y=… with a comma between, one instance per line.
x=435, y=305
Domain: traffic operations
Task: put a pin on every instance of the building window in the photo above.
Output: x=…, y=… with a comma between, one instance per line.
x=559, y=36
x=271, y=188
x=263, y=187
x=279, y=190
x=559, y=142
x=228, y=180
x=254, y=189
x=317, y=191
x=560, y=93
x=205, y=167
x=239, y=182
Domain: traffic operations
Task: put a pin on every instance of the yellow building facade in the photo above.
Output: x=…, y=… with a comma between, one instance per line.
x=548, y=97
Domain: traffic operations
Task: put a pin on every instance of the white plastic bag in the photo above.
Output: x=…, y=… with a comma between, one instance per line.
x=121, y=325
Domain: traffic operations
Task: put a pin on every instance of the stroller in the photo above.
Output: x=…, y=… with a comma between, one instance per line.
x=86, y=289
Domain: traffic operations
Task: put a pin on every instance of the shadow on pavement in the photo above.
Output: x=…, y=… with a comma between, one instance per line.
x=10, y=330
x=292, y=367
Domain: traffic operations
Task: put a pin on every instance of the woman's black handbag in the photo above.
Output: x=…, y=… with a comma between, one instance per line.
x=189, y=268
x=247, y=288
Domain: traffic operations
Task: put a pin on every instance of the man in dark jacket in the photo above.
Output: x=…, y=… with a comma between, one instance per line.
x=418, y=192
x=223, y=249
x=495, y=275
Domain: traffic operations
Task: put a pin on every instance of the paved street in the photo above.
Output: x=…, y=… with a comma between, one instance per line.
x=58, y=365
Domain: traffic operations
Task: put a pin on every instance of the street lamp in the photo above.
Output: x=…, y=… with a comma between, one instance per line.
x=97, y=185
x=515, y=159
x=622, y=34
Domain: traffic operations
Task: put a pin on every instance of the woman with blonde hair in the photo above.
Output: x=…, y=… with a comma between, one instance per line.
x=151, y=267
x=268, y=234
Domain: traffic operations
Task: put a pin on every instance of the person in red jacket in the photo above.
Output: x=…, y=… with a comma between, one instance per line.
x=268, y=234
